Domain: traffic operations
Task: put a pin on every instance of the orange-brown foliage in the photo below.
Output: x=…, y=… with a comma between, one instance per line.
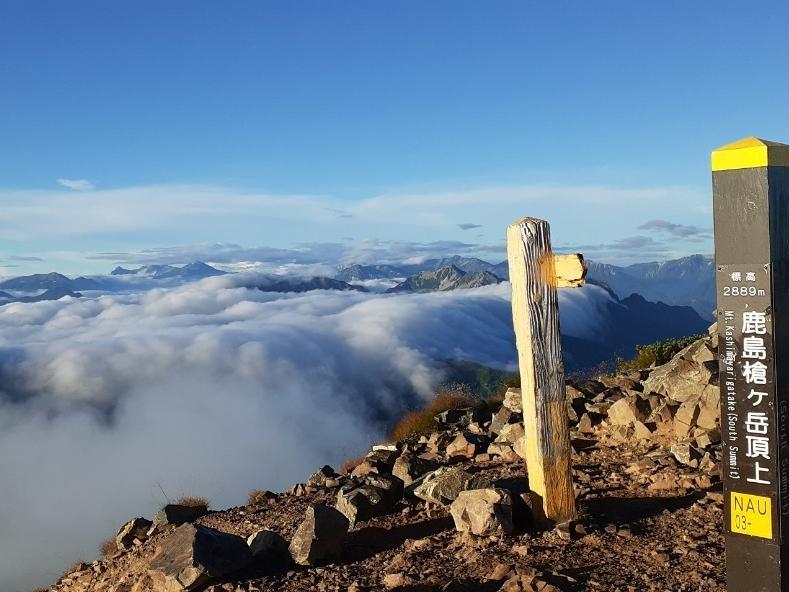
x=193, y=502
x=108, y=548
x=448, y=397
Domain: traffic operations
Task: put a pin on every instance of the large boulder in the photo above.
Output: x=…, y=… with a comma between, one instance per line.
x=686, y=417
x=514, y=435
x=267, y=545
x=320, y=536
x=377, y=461
x=193, y=555
x=443, y=485
x=177, y=514
x=513, y=400
x=135, y=529
x=686, y=375
x=709, y=408
x=467, y=445
x=483, y=512
x=629, y=410
x=323, y=475
x=409, y=467
x=374, y=495
x=502, y=417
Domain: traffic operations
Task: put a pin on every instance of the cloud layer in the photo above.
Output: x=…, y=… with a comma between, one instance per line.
x=121, y=223
x=206, y=389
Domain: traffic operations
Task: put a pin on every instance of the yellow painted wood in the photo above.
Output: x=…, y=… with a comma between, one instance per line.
x=749, y=153
x=535, y=316
x=570, y=270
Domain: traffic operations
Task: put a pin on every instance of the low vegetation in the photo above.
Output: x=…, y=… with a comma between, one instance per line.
x=193, y=502
x=453, y=396
x=108, y=548
x=657, y=353
x=350, y=464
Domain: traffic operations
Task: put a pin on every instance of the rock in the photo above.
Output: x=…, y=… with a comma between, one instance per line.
x=134, y=529
x=565, y=530
x=193, y=555
x=483, y=512
x=513, y=400
x=375, y=495
x=267, y=545
x=686, y=454
x=503, y=451
x=709, y=408
x=467, y=445
x=378, y=461
x=685, y=419
x=641, y=431
x=511, y=433
x=503, y=417
x=409, y=467
x=628, y=410
x=576, y=402
x=500, y=572
x=443, y=485
x=397, y=580
x=682, y=377
x=320, y=536
x=585, y=424
x=319, y=477
x=664, y=483
x=262, y=497
x=177, y=515
x=708, y=438
x=437, y=442
x=455, y=417
x=514, y=435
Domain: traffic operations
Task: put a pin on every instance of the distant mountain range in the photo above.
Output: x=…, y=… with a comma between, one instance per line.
x=630, y=322
x=689, y=281
x=358, y=272
x=445, y=278
x=49, y=281
x=191, y=271
x=305, y=285
x=51, y=294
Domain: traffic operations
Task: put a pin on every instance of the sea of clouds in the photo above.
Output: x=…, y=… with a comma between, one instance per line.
x=109, y=404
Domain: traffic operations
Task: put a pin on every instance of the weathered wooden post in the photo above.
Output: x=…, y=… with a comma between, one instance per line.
x=750, y=181
x=535, y=273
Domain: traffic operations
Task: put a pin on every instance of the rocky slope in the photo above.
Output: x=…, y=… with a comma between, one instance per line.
x=449, y=510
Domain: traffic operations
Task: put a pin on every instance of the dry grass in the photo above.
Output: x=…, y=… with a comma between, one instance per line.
x=193, y=502
x=453, y=396
x=350, y=464
x=108, y=548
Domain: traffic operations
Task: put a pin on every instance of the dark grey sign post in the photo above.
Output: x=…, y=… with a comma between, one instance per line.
x=750, y=181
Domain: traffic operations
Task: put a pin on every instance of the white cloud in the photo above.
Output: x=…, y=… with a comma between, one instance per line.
x=197, y=215
x=206, y=389
x=76, y=184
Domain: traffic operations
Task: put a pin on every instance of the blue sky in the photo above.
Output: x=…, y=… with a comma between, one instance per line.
x=355, y=127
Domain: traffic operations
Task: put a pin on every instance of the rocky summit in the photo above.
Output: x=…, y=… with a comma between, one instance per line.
x=450, y=510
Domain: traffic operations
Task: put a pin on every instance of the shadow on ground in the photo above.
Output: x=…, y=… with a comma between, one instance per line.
x=624, y=510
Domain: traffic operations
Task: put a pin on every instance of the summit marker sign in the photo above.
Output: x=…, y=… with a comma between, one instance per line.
x=750, y=180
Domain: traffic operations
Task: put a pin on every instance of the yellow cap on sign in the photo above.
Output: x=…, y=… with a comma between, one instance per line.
x=749, y=153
